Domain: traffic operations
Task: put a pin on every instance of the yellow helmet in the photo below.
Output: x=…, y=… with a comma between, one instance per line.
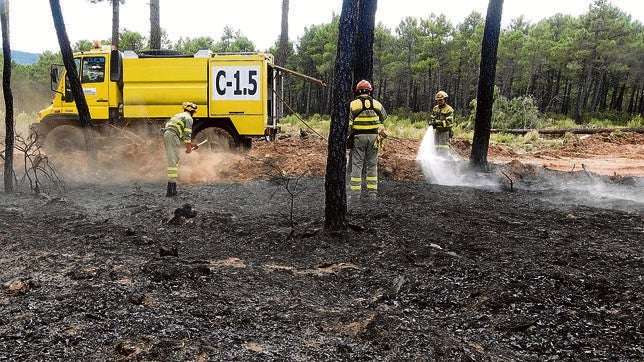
x=441, y=95
x=189, y=106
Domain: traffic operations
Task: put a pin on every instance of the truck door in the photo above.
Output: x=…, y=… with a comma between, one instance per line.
x=95, y=85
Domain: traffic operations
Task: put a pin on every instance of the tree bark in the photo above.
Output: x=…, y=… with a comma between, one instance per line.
x=115, y=23
x=363, y=63
x=155, y=25
x=335, y=213
x=283, y=51
x=74, y=81
x=485, y=92
x=8, y=99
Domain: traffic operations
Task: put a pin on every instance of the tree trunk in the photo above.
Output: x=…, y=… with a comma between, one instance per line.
x=282, y=54
x=8, y=98
x=115, y=23
x=335, y=213
x=74, y=80
x=363, y=63
x=485, y=93
x=155, y=26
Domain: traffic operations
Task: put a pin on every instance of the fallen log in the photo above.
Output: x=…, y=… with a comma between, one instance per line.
x=567, y=130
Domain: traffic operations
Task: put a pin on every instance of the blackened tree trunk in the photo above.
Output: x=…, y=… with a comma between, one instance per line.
x=74, y=80
x=155, y=25
x=8, y=98
x=363, y=65
x=485, y=92
x=335, y=213
x=281, y=84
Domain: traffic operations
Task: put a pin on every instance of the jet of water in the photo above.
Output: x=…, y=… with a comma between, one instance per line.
x=449, y=170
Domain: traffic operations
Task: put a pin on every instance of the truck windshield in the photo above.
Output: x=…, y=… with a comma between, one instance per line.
x=93, y=69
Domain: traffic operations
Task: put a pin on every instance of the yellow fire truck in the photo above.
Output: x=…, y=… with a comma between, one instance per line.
x=238, y=95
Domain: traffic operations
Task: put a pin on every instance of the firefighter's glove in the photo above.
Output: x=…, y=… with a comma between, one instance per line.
x=190, y=147
x=380, y=140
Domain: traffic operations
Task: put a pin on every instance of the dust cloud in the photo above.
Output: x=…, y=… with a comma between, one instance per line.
x=143, y=161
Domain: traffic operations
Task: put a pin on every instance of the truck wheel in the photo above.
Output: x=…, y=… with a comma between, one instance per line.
x=219, y=140
x=64, y=139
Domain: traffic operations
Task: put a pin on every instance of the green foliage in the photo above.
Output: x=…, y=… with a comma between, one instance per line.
x=191, y=46
x=562, y=123
x=531, y=136
x=30, y=83
x=131, y=40
x=504, y=138
x=520, y=112
x=542, y=68
x=233, y=41
x=293, y=123
x=635, y=122
x=610, y=117
x=83, y=45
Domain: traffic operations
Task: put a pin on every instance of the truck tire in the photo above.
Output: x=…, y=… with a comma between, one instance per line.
x=64, y=139
x=219, y=140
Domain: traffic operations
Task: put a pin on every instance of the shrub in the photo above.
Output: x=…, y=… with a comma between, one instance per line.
x=520, y=112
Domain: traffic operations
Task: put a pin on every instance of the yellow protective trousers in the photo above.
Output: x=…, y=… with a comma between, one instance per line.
x=364, y=156
x=172, y=144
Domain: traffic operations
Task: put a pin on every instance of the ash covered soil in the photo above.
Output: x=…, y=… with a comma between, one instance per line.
x=541, y=264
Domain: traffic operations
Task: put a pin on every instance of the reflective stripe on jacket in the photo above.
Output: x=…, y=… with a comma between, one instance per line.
x=444, y=113
x=181, y=124
x=366, y=114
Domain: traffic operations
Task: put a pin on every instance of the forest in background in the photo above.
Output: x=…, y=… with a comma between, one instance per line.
x=582, y=67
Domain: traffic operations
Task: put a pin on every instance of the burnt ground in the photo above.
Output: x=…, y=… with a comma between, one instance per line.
x=546, y=265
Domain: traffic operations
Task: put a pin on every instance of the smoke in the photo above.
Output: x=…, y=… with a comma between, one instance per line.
x=450, y=170
x=555, y=187
x=595, y=192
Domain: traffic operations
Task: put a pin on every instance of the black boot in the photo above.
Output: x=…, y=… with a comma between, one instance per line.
x=172, y=189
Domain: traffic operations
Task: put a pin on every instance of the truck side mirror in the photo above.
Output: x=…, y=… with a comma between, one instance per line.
x=116, y=66
x=54, y=77
x=69, y=96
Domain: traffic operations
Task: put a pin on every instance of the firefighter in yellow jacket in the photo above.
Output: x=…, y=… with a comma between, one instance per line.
x=442, y=119
x=178, y=130
x=366, y=118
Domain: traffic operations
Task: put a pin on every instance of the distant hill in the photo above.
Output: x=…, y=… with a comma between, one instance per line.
x=24, y=57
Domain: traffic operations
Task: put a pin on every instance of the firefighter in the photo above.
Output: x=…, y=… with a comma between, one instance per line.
x=366, y=118
x=176, y=131
x=442, y=119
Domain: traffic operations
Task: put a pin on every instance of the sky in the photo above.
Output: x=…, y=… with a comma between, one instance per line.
x=32, y=29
